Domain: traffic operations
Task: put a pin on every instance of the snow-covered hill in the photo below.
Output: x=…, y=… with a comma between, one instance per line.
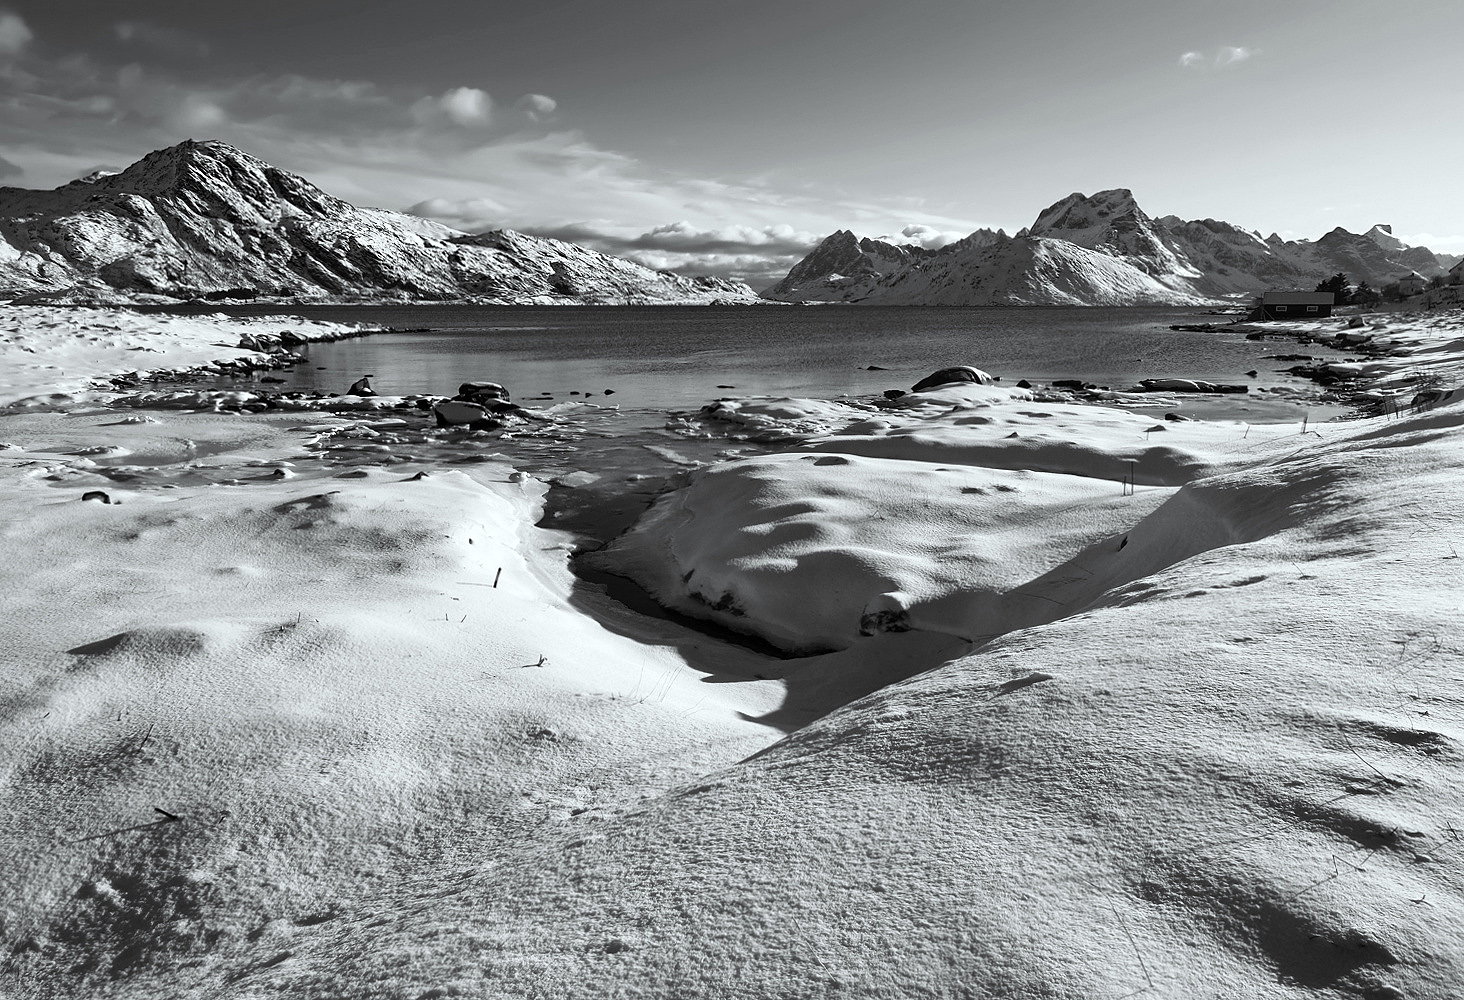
x=206, y=219
x=1096, y=250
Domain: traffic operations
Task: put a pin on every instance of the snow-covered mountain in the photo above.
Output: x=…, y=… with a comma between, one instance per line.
x=1096, y=250
x=206, y=219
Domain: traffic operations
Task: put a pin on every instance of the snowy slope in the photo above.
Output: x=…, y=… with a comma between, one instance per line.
x=1099, y=249
x=204, y=217
x=271, y=727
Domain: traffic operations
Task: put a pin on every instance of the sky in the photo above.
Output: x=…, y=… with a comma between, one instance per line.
x=729, y=138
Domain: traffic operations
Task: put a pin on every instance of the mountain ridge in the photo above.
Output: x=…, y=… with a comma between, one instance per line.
x=203, y=219
x=1101, y=249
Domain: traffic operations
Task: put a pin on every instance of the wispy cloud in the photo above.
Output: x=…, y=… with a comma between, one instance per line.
x=536, y=107
x=929, y=237
x=468, y=107
x=168, y=41
x=15, y=34
x=1437, y=242
x=1219, y=58
x=456, y=156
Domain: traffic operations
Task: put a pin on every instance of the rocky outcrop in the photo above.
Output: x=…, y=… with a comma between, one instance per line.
x=844, y=266
x=1099, y=249
x=206, y=220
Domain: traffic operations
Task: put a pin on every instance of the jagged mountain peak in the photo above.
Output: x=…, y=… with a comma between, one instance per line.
x=1103, y=249
x=1079, y=212
x=1383, y=236
x=204, y=218
x=214, y=178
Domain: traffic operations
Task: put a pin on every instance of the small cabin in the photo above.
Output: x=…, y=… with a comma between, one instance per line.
x=1456, y=274
x=1412, y=283
x=1293, y=305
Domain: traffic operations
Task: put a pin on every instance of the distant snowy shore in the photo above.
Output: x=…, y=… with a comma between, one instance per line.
x=1074, y=702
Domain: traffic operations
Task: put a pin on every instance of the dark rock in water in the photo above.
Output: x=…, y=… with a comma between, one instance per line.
x=457, y=413
x=360, y=387
x=492, y=396
x=1072, y=383
x=1175, y=416
x=1024, y=384
x=1185, y=385
x=726, y=387
x=482, y=389
x=271, y=379
x=893, y=393
x=609, y=392
x=876, y=368
x=1253, y=373
x=952, y=376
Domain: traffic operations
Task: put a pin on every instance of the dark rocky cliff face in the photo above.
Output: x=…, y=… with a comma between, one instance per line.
x=207, y=219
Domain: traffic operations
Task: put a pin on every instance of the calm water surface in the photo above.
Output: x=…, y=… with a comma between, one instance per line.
x=661, y=361
x=670, y=357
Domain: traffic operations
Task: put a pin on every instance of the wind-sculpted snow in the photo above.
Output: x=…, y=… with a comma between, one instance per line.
x=1121, y=711
x=968, y=512
x=206, y=219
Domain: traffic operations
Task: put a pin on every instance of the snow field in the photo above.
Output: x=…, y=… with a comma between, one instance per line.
x=1187, y=727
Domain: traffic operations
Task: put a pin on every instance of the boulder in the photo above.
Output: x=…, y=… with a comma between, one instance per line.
x=457, y=413
x=492, y=396
x=471, y=390
x=953, y=376
x=1186, y=385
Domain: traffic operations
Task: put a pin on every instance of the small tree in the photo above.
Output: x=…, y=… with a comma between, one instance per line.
x=1365, y=295
x=1339, y=286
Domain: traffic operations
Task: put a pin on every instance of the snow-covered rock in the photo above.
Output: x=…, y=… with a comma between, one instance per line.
x=203, y=219
x=1099, y=249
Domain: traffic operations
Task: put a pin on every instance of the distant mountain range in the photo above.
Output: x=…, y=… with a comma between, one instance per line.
x=1098, y=250
x=206, y=220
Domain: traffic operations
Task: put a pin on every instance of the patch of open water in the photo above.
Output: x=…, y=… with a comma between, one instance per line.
x=619, y=381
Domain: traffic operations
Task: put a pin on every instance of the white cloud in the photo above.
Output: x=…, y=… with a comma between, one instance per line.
x=15, y=34
x=468, y=214
x=1435, y=242
x=1225, y=55
x=1231, y=54
x=468, y=107
x=444, y=154
x=536, y=106
x=927, y=236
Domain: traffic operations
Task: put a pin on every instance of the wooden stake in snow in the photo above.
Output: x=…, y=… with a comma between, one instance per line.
x=496, y=576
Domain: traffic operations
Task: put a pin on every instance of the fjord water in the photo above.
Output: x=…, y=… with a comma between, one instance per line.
x=665, y=360
x=670, y=358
